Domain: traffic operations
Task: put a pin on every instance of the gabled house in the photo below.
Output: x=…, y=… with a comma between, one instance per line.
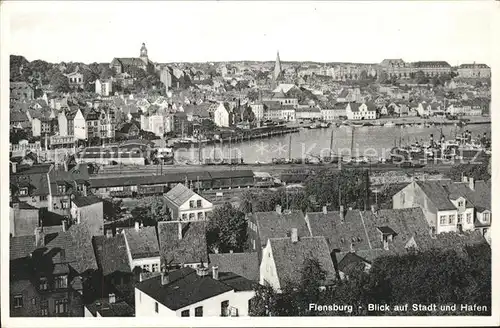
x=223, y=115
x=86, y=124
x=143, y=251
x=364, y=111
x=186, y=205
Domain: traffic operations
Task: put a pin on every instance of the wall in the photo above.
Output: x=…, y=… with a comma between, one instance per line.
x=145, y=261
x=36, y=127
x=145, y=306
x=80, y=126
x=268, y=271
x=206, y=206
x=91, y=215
x=446, y=227
x=414, y=197
x=23, y=222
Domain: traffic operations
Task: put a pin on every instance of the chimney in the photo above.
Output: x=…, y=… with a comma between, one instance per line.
x=179, y=225
x=201, y=271
x=165, y=279
x=342, y=213
x=352, y=248
x=109, y=233
x=374, y=209
x=278, y=209
x=350, y=208
x=14, y=167
x=64, y=225
x=325, y=210
x=137, y=226
x=294, y=235
x=112, y=299
x=471, y=183
x=39, y=237
x=215, y=272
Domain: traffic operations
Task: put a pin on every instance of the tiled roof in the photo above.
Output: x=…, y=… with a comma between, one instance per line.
x=142, y=243
x=16, y=116
x=437, y=194
x=35, y=178
x=81, y=201
x=185, y=288
x=274, y=225
x=77, y=245
x=111, y=254
x=352, y=264
x=21, y=246
x=179, y=194
x=243, y=264
x=192, y=248
x=354, y=107
x=289, y=257
x=106, y=309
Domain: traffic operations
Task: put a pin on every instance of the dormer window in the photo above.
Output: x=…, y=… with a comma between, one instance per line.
x=486, y=217
x=61, y=281
x=23, y=191
x=461, y=203
x=43, y=283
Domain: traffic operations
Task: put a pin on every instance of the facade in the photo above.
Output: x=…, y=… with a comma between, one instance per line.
x=396, y=68
x=104, y=87
x=142, y=248
x=258, y=111
x=474, y=70
x=75, y=79
x=88, y=210
x=186, y=205
x=86, y=124
x=364, y=111
x=24, y=219
x=121, y=65
x=432, y=68
x=204, y=294
x=448, y=206
x=66, y=123
x=223, y=115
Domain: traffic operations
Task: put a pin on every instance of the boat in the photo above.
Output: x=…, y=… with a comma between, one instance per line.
x=390, y=124
x=314, y=126
x=324, y=125
x=357, y=124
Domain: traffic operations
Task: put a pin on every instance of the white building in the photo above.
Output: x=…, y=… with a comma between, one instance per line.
x=222, y=115
x=143, y=250
x=186, y=205
x=258, y=111
x=191, y=292
x=104, y=87
x=365, y=111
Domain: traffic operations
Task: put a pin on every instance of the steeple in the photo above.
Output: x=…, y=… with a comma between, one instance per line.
x=144, y=51
x=277, y=67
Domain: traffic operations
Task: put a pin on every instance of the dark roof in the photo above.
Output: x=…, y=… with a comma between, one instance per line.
x=426, y=64
x=35, y=178
x=142, y=243
x=274, y=225
x=16, y=116
x=21, y=246
x=289, y=258
x=386, y=230
x=231, y=174
x=192, y=248
x=106, y=309
x=82, y=201
x=96, y=182
x=111, y=254
x=243, y=264
x=186, y=287
x=352, y=264
x=77, y=246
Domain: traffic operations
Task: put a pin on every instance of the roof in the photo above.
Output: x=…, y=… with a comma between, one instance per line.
x=289, y=258
x=437, y=194
x=354, y=107
x=243, y=264
x=21, y=246
x=82, y=201
x=473, y=66
x=192, y=248
x=111, y=254
x=107, y=309
x=142, y=243
x=130, y=61
x=16, y=116
x=423, y=64
x=186, y=287
x=352, y=263
x=35, y=178
x=179, y=194
x=78, y=251
x=274, y=225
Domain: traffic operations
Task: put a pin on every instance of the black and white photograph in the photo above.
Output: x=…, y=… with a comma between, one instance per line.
x=248, y=161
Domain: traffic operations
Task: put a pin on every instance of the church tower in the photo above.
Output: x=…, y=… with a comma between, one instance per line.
x=144, y=53
x=277, y=70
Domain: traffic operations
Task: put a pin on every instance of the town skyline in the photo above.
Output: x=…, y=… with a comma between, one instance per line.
x=297, y=36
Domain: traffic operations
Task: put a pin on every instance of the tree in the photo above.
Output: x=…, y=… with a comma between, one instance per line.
x=227, y=229
x=59, y=82
x=266, y=200
x=253, y=95
x=476, y=171
x=150, y=211
x=353, y=185
x=106, y=73
x=112, y=209
x=248, y=115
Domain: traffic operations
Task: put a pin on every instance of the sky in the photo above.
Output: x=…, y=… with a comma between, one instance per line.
x=326, y=31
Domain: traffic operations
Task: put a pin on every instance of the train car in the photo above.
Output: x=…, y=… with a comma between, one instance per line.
x=232, y=179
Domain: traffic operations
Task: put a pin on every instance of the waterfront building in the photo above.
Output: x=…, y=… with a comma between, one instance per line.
x=364, y=111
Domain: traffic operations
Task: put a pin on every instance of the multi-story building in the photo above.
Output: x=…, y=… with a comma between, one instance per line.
x=186, y=205
x=396, y=68
x=449, y=206
x=75, y=79
x=143, y=251
x=432, y=68
x=474, y=71
x=194, y=292
x=107, y=122
x=86, y=124
x=104, y=87
x=364, y=111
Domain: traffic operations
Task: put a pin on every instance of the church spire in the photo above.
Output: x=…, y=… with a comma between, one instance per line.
x=277, y=67
x=144, y=51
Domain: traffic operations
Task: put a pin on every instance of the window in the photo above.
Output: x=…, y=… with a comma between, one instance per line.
x=61, y=306
x=155, y=267
x=23, y=191
x=442, y=219
x=156, y=307
x=184, y=217
x=145, y=267
x=200, y=215
x=198, y=203
x=18, y=301
x=191, y=204
x=451, y=219
x=43, y=197
x=64, y=204
x=486, y=217
x=460, y=203
x=198, y=312
x=191, y=216
x=469, y=218
x=61, y=189
x=253, y=243
x=43, y=283
x=61, y=282
x=185, y=313
x=224, y=306
x=44, y=306
x=460, y=218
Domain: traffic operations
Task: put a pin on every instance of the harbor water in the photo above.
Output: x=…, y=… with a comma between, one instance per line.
x=369, y=141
